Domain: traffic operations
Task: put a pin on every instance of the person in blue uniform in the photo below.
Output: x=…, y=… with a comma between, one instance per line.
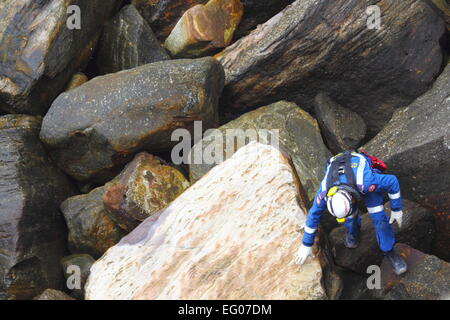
x=350, y=178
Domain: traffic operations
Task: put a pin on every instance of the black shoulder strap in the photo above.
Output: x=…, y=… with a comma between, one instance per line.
x=341, y=165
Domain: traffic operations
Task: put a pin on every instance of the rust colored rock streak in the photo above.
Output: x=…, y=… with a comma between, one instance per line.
x=232, y=235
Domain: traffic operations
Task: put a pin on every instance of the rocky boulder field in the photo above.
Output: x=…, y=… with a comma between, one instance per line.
x=171, y=149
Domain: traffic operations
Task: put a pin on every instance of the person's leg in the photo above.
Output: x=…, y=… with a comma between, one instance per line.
x=352, y=225
x=383, y=230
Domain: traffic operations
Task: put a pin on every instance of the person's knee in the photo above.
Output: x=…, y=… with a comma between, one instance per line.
x=379, y=218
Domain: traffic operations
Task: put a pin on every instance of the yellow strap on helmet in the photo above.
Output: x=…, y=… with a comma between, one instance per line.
x=332, y=191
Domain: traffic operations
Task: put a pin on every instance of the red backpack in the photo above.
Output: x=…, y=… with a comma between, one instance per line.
x=375, y=162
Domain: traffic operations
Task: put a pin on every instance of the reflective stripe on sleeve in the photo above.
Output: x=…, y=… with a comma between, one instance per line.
x=394, y=196
x=324, y=181
x=360, y=170
x=309, y=230
x=375, y=209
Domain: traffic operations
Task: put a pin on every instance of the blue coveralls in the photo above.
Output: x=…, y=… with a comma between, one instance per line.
x=372, y=185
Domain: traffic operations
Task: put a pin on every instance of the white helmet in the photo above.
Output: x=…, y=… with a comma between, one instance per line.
x=340, y=204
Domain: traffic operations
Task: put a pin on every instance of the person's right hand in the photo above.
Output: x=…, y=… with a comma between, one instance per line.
x=302, y=254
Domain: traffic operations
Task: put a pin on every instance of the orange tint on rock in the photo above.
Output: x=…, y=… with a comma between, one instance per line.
x=205, y=28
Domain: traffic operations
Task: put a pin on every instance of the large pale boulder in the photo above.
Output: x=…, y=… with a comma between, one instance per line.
x=93, y=130
x=232, y=235
x=39, y=52
x=416, y=147
x=282, y=123
x=326, y=46
x=128, y=42
x=204, y=29
x=32, y=230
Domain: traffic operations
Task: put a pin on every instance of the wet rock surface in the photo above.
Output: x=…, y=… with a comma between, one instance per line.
x=77, y=265
x=342, y=128
x=77, y=80
x=204, y=29
x=325, y=46
x=90, y=229
x=163, y=15
x=147, y=185
x=93, y=130
x=257, y=12
x=208, y=242
x=444, y=7
x=298, y=134
x=39, y=53
x=128, y=42
x=415, y=146
x=417, y=231
x=427, y=278
x=32, y=232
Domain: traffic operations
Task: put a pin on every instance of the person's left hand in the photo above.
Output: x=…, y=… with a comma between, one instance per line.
x=398, y=217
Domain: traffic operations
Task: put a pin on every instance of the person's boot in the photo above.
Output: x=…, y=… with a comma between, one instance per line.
x=397, y=262
x=351, y=241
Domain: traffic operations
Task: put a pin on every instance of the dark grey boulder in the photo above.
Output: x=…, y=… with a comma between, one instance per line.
x=326, y=46
x=427, y=278
x=91, y=230
x=94, y=129
x=416, y=148
x=417, y=231
x=128, y=42
x=39, y=52
x=32, y=232
x=342, y=129
x=257, y=12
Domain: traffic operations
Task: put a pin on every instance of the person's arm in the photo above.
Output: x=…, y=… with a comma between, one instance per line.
x=312, y=222
x=389, y=184
x=312, y=219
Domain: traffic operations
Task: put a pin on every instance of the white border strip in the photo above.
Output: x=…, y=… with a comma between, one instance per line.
x=375, y=209
x=309, y=230
x=394, y=196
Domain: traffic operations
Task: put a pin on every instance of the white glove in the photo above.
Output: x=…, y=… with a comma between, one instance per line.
x=302, y=254
x=396, y=216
